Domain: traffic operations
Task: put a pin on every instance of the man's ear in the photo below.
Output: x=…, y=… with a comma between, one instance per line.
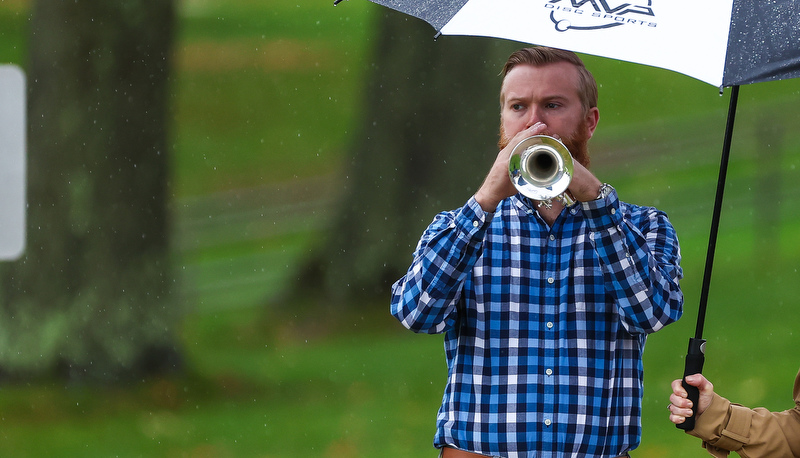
x=592, y=118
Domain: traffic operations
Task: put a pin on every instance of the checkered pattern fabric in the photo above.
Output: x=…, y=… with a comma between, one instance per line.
x=544, y=326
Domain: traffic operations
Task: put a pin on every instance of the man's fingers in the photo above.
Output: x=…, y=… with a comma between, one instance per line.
x=678, y=413
x=680, y=401
x=677, y=388
x=677, y=419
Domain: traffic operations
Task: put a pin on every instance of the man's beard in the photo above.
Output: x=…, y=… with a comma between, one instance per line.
x=577, y=143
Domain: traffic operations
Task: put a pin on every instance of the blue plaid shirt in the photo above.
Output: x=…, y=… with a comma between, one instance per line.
x=544, y=326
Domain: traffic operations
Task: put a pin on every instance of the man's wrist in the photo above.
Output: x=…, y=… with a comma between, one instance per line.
x=488, y=204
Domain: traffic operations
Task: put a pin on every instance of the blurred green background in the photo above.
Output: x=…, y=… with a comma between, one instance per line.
x=265, y=98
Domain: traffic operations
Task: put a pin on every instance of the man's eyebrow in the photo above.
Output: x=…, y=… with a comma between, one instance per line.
x=526, y=98
x=513, y=96
x=556, y=97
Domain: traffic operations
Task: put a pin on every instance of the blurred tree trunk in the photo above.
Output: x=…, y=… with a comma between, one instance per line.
x=90, y=298
x=770, y=133
x=427, y=138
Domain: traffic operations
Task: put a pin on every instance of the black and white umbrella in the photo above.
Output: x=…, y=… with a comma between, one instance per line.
x=722, y=42
x=725, y=43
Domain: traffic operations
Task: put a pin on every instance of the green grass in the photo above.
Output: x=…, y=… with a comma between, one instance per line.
x=12, y=34
x=265, y=98
x=268, y=91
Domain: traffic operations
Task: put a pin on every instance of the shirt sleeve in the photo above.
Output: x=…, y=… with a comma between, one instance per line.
x=640, y=256
x=425, y=299
x=726, y=427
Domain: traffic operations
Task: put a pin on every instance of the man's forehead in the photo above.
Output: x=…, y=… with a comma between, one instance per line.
x=558, y=79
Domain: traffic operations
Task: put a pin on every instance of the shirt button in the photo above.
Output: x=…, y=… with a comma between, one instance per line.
x=547, y=422
x=552, y=237
x=549, y=325
x=550, y=280
x=613, y=211
x=475, y=224
x=549, y=372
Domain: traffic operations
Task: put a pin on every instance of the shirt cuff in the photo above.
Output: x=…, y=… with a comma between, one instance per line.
x=472, y=220
x=603, y=213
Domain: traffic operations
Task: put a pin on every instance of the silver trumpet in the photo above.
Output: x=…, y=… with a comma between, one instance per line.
x=541, y=169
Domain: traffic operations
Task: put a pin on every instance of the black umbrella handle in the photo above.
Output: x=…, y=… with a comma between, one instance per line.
x=695, y=358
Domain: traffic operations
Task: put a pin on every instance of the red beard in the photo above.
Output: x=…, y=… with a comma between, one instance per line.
x=577, y=143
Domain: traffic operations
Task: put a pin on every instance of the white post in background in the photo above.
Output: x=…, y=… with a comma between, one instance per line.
x=12, y=162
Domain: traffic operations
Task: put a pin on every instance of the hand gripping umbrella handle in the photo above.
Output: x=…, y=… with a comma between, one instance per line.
x=695, y=358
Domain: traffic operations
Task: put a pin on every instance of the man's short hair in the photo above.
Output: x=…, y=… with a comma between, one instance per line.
x=540, y=55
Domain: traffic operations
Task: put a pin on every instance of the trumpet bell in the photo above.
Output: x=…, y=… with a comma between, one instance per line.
x=540, y=167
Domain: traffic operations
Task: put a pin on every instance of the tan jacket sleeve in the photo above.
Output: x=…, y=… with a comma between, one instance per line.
x=751, y=433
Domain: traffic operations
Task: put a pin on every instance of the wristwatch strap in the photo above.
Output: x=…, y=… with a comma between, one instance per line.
x=605, y=190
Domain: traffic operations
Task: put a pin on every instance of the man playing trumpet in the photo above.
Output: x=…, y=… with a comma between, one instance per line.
x=544, y=308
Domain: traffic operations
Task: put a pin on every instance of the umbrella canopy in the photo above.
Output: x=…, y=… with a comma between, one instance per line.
x=723, y=43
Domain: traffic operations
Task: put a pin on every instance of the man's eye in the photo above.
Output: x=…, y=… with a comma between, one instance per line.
x=516, y=106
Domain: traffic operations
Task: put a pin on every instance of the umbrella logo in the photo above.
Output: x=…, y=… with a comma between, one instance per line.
x=598, y=14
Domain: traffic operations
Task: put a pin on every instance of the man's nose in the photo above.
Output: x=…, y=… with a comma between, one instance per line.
x=533, y=117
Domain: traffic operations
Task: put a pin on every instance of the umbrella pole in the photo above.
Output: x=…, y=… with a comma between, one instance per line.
x=697, y=345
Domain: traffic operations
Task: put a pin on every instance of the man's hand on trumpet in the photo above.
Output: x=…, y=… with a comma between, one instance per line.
x=584, y=185
x=497, y=185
